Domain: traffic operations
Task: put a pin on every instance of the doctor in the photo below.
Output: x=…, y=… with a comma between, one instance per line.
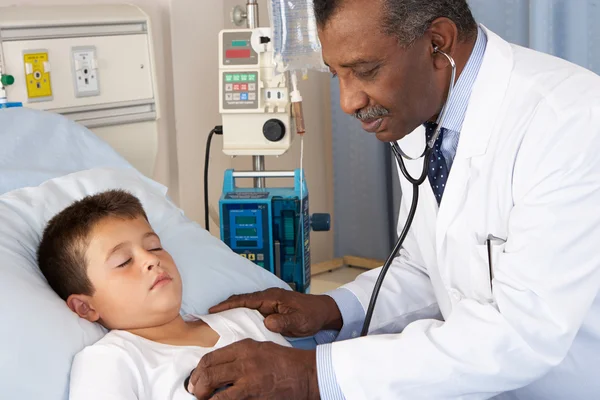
x=496, y=289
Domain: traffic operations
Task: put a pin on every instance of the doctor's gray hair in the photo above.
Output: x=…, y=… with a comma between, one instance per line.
x=408, y=20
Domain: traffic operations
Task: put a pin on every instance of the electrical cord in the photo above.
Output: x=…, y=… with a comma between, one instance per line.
x=403, y=234
x=217, y=130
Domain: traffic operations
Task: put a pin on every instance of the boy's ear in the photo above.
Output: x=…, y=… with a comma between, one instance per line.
x=82, y=306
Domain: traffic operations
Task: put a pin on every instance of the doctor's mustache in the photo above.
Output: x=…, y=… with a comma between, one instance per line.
x=372, y=113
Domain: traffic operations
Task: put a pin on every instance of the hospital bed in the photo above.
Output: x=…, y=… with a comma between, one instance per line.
x=47, y=162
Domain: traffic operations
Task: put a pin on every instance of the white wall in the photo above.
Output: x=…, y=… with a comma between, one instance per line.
x=166, y=166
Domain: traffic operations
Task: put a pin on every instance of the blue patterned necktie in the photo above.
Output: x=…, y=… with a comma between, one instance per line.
x=438, y=170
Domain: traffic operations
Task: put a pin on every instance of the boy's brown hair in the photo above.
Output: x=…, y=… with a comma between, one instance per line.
x=62, y=251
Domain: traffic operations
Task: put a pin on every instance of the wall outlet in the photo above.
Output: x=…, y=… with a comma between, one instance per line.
x=85, y=71
x=37, y=75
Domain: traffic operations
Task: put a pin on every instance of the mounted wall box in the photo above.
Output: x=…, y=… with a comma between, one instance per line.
x=91, y=63
x=85, y=71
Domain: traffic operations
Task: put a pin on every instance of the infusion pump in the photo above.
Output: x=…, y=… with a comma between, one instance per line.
x=254, y=101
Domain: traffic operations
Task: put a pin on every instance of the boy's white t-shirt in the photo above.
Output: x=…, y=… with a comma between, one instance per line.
x=124, y=366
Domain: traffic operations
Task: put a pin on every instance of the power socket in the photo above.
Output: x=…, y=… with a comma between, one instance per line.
x=85, y=71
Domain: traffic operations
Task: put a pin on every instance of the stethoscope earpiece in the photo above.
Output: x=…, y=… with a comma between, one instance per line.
x=429, y=145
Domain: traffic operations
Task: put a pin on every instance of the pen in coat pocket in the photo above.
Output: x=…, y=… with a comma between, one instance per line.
x=492, y=239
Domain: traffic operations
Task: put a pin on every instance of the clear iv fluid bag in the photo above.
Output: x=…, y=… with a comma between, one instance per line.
x=295, y=38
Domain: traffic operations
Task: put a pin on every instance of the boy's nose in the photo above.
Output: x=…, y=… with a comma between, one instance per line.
x=151, y=262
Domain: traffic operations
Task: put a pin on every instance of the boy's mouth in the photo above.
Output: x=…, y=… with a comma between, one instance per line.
x=161, y=280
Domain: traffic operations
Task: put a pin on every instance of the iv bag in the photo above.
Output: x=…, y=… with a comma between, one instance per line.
x=295, y=40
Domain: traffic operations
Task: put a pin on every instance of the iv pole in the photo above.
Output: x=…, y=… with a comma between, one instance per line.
x=258, y=162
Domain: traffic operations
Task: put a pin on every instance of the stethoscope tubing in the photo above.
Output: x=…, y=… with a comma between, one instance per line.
x=416, y=182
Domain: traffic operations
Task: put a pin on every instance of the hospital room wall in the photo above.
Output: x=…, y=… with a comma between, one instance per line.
x=195, y=26
x=166, y=170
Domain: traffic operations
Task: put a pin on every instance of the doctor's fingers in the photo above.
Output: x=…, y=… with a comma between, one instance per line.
x=232, y=393
x=245, y=390
x=265, y=302
x=225, y=355
x=294, y=324
x=205, y=381
x=233, y=353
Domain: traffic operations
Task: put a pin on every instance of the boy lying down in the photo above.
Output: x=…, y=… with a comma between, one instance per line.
x=102, y=257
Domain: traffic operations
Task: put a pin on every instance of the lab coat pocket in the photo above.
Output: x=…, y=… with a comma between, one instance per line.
x=482, y=273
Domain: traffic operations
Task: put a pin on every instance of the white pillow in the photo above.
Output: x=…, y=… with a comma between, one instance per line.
x=38, y=145
x=39, y=335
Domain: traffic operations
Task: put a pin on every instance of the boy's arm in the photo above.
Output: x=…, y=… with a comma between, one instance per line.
x=102, y=373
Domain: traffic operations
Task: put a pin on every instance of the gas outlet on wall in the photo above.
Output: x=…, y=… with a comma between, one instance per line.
x=85, y=71
x=37, y=75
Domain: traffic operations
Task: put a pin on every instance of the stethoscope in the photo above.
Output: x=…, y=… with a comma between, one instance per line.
x=400, y=156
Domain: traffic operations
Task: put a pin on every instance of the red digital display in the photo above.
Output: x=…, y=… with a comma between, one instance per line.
x=241, y=53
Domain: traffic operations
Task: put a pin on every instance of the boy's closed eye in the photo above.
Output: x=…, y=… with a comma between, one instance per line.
x=152, y=242
x=126, y=263
x=129, y=259
x=122, y=254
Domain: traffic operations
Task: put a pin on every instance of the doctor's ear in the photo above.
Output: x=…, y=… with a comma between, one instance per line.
x=443, y=35
x=439, y=60
x=81, y=305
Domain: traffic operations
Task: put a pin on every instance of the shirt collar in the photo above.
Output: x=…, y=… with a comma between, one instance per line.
x=459, y=101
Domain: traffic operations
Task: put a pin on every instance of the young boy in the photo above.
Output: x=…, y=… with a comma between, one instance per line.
x=102, y=257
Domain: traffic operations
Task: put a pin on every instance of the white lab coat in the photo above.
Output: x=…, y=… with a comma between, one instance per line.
x=527, y=170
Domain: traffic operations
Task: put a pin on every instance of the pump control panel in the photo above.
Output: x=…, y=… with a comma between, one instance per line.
x=253, y=97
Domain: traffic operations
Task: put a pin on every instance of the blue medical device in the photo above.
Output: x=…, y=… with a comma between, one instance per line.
x=271, y=226
x=10, y=105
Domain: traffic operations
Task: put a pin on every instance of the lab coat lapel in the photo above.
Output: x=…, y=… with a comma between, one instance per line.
x=485, y=102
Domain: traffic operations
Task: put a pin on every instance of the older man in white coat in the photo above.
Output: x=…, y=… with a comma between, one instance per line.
x=496, y=289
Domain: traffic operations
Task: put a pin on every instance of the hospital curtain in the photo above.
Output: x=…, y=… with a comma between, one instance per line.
x=366, y=188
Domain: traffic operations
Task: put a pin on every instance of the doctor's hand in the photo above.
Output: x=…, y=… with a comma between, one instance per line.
x=289, y=313
x=256, y=370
